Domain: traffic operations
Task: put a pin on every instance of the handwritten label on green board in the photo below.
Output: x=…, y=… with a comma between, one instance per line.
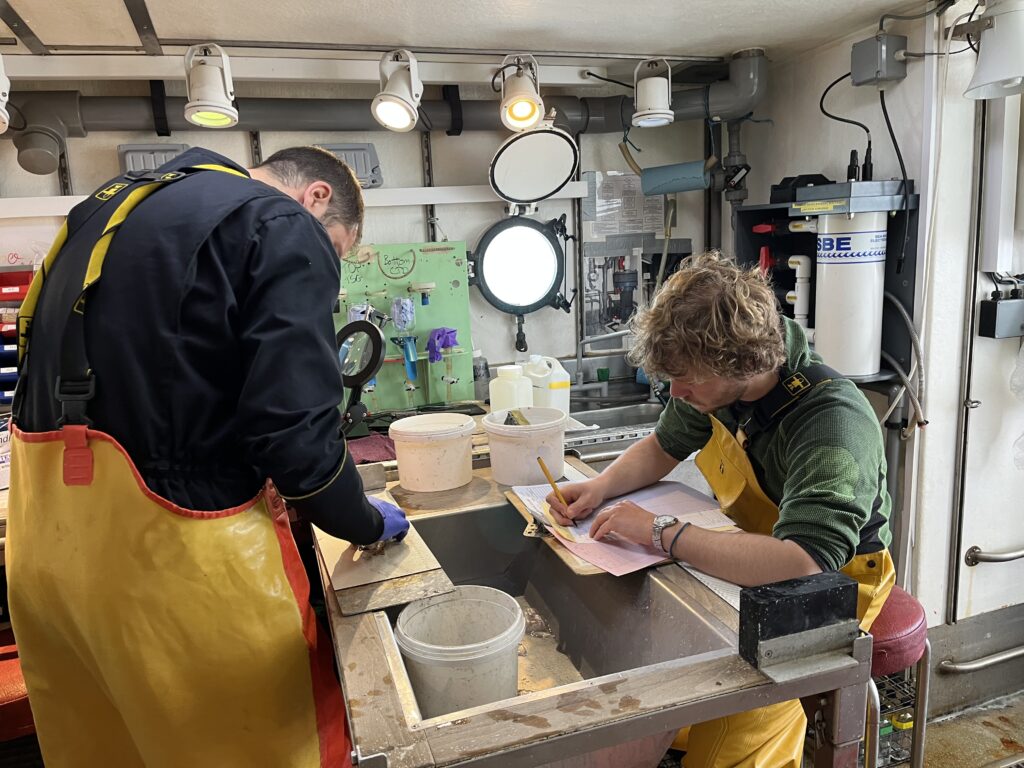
x=397, y=265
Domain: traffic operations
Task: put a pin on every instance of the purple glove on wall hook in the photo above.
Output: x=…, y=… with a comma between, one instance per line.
x=440, y=338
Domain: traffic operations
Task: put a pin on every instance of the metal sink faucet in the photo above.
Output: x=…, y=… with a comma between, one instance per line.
x=590, y=340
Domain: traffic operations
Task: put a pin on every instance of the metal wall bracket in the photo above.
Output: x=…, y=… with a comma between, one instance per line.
x=975, y=555
x=973, y=28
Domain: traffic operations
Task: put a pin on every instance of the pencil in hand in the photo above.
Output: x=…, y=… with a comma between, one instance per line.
x=554, y=487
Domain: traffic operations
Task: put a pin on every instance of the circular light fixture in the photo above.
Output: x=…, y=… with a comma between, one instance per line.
x=652, y=95
x=1000, y=68
x=522, y=107
x=533, y=165
x=211, y=92
x=396, y=106
x=519, y=265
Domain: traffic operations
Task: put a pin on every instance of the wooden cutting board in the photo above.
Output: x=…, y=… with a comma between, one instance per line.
x=404, y=571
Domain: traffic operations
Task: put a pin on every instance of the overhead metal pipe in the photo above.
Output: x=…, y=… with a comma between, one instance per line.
x=76, y=115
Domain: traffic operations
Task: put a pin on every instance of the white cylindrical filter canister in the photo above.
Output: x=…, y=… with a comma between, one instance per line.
x=510, y=389
x=550, y=382
x=849, y=287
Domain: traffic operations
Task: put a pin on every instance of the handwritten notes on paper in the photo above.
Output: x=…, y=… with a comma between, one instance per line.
x=617, y=556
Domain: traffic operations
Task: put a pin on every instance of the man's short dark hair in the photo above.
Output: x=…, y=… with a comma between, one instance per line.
x=297, y=166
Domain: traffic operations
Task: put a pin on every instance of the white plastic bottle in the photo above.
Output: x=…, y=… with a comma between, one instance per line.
x=510, y=389
x=550, y=381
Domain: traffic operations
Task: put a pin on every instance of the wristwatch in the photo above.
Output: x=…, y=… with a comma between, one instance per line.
x=661, y=522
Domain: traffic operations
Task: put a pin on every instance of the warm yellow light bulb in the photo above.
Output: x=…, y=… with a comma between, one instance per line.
x=522, y=109
x=213, y=119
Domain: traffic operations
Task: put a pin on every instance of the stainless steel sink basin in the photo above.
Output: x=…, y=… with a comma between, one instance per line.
x=603, y=623
x=621, y=416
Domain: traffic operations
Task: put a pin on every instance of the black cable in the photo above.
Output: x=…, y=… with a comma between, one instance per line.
x=826, y=113
x=588, y=73
x=501, y=71
x=940, y=8
x=24, y=122
x=970, y=42
x=910, y=55
x=906, y=192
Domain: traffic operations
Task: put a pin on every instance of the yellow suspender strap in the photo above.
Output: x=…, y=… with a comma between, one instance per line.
x=99, y=251
x=28, y=306
x=222, y=168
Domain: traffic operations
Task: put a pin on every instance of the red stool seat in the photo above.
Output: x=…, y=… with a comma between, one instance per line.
x=900, y=633
x=15, y=713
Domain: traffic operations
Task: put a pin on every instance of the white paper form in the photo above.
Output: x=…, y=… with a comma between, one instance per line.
x=724, y=589
x=664, y=498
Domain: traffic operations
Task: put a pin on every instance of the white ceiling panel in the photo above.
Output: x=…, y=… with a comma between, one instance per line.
x=80, y=22
x=695, y=27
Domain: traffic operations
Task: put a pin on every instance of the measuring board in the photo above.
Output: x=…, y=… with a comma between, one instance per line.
x=377, y=275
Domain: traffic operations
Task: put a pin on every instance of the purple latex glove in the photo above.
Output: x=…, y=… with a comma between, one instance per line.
x=440, y=338
x=395, y=524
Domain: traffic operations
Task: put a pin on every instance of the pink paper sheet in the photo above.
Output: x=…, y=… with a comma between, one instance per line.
x=616, y=556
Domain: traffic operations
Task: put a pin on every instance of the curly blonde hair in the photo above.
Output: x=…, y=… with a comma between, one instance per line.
x=710, y=318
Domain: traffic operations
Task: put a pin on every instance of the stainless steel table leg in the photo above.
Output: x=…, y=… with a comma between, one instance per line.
x=844, y=715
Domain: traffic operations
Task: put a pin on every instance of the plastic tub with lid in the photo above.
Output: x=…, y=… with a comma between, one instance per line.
x=515, y=448
x=434, y=451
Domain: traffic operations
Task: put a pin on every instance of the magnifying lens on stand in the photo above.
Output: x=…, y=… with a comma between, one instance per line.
x=361, y=352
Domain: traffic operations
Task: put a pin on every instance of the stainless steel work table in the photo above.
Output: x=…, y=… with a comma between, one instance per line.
x=655, y=651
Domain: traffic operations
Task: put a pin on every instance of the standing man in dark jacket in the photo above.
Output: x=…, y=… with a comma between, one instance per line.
x=157, y=596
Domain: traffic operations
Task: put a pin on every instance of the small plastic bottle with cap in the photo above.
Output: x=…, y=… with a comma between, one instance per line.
x=511, y=389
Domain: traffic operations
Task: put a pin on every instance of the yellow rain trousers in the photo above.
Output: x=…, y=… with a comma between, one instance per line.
x=772, y=736
x=152, y=635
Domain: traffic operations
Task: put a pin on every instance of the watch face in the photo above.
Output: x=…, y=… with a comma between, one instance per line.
x=664, y=521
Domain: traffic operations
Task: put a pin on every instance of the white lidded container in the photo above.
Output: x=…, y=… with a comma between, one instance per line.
x=434, y=451
x=849, y=286
x=461, y=649
x=515, y=448
x=510, y=389
x=550, y=382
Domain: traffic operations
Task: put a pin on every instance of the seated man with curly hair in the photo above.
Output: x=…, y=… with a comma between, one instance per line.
x=791, y=449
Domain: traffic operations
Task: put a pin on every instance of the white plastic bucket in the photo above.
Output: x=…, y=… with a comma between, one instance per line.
x=514, y=449
x=434, y=451
x=461, y=649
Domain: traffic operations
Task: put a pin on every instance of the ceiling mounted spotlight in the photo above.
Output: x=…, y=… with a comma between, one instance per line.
x=521, y=105
x=1000, y=68
x=652, y=91
x=396, y=106
x=5, y=92
x=210, y=89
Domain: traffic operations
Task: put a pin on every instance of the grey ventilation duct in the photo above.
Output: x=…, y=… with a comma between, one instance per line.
x=51, y=116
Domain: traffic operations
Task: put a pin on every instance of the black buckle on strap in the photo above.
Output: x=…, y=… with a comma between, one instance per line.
x=73, y=395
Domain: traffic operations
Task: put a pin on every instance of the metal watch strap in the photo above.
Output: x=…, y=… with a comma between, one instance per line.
x=661, y=522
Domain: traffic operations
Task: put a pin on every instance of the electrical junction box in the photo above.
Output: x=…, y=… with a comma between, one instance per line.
x=873, y=61
x=1001, y=319
x=362, y=159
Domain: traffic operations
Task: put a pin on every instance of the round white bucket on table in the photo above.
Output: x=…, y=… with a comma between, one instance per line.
x=461, y=649
x=514, y=449
x=434, y=451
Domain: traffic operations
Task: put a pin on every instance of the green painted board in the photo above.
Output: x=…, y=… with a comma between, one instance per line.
x=377, y=274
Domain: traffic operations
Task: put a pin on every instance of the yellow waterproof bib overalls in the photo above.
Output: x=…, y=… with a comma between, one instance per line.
x=152, y=635
x=772, y=736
